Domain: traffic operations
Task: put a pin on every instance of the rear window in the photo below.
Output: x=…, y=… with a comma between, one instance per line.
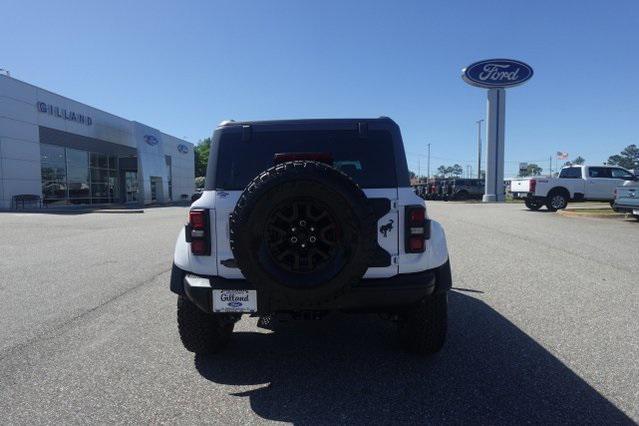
x=620, y=174
x=369, y=161
x=571, y=173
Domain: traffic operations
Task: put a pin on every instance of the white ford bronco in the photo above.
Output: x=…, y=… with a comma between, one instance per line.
x=303, y=217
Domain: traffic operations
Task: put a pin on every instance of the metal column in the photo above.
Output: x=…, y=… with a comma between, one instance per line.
x=494, y=191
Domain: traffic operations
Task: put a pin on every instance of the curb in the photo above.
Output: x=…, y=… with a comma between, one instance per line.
x=585, y=213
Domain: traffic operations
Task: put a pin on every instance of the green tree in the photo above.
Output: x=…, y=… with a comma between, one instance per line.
x=201, y=152
x=531, y=170
x=629, y=158
x=579, y=160
x=442, y=171
x=199, y=182
x=456, y=170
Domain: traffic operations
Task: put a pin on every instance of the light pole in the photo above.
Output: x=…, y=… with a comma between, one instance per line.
x=479, y=148
x=428, y=168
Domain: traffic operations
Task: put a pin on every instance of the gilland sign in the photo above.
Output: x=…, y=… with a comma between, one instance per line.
x=183, y=148
x=497, y=73
x=64, y=114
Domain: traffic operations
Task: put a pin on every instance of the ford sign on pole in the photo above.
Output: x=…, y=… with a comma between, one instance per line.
x=496, y=75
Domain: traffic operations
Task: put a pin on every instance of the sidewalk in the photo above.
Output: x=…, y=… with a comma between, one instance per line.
x=119, y=208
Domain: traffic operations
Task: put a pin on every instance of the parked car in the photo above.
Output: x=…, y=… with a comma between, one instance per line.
x=296, y=220
x=467, y=189
x=627, y=197
x=575, y=183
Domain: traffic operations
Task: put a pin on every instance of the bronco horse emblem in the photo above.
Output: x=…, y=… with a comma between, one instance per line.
x=385, y=229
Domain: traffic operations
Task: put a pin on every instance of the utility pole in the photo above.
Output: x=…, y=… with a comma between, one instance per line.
x=551, y=166
x=428, y=169
x=419, y=168
x=479, y=148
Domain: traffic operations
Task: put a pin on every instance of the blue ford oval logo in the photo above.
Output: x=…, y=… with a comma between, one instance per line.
x=183, y=148
x=497, y=73
x=235, y=304
x=151, y=140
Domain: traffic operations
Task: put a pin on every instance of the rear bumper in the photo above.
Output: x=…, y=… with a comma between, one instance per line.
x=625, y=207
x=521, y=195
x=374, y=295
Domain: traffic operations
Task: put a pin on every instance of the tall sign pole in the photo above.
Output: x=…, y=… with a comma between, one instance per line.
x=496, y=75
x=479, y=149
x=494, y=189
x=428, y=161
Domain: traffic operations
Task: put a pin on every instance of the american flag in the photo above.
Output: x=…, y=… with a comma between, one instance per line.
x=562, y=155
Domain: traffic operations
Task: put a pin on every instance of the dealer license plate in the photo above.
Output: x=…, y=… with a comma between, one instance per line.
x=635, y=212
x=234, y=301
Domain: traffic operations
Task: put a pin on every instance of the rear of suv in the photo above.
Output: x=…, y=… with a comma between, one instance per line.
x=300, y=218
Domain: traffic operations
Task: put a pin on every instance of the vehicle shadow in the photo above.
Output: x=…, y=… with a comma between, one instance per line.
x=351, y=370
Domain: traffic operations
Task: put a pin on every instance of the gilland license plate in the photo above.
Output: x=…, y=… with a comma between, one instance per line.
x=234, y=301
x=635, y=212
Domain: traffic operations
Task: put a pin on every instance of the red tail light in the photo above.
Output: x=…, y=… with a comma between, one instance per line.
x=198, y=233
x=533, y=185
x=416, y=229
x=197, y=219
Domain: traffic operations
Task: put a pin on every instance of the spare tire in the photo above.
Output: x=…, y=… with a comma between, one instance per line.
x=302, y=232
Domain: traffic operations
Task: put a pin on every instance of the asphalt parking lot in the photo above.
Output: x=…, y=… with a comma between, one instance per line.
x=544, y=328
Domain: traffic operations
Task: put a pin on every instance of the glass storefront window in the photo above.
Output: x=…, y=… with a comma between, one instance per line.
x=71, y=176
x=131, y=186
x=78, y=174
x=99, y=175
x=53, y=163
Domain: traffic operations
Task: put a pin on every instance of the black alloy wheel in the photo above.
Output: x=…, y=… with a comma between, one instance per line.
x=302, y=235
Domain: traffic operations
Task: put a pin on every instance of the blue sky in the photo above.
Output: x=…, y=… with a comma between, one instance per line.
x=185, y=66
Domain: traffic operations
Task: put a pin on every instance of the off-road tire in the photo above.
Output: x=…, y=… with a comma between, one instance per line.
x=302, y=179
x=200, y=332
x=533, y=205
x=422, y=329
x=553, y=202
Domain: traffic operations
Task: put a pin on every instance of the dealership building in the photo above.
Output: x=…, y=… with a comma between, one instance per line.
x=69, y=153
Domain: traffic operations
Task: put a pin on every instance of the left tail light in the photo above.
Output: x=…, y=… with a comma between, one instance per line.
x=198, y=232
x=416, y=229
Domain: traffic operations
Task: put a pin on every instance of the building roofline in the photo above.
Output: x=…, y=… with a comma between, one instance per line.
x=87, y=105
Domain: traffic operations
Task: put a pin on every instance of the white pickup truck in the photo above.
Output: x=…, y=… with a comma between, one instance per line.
x=575, y=183
x=627, y=198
